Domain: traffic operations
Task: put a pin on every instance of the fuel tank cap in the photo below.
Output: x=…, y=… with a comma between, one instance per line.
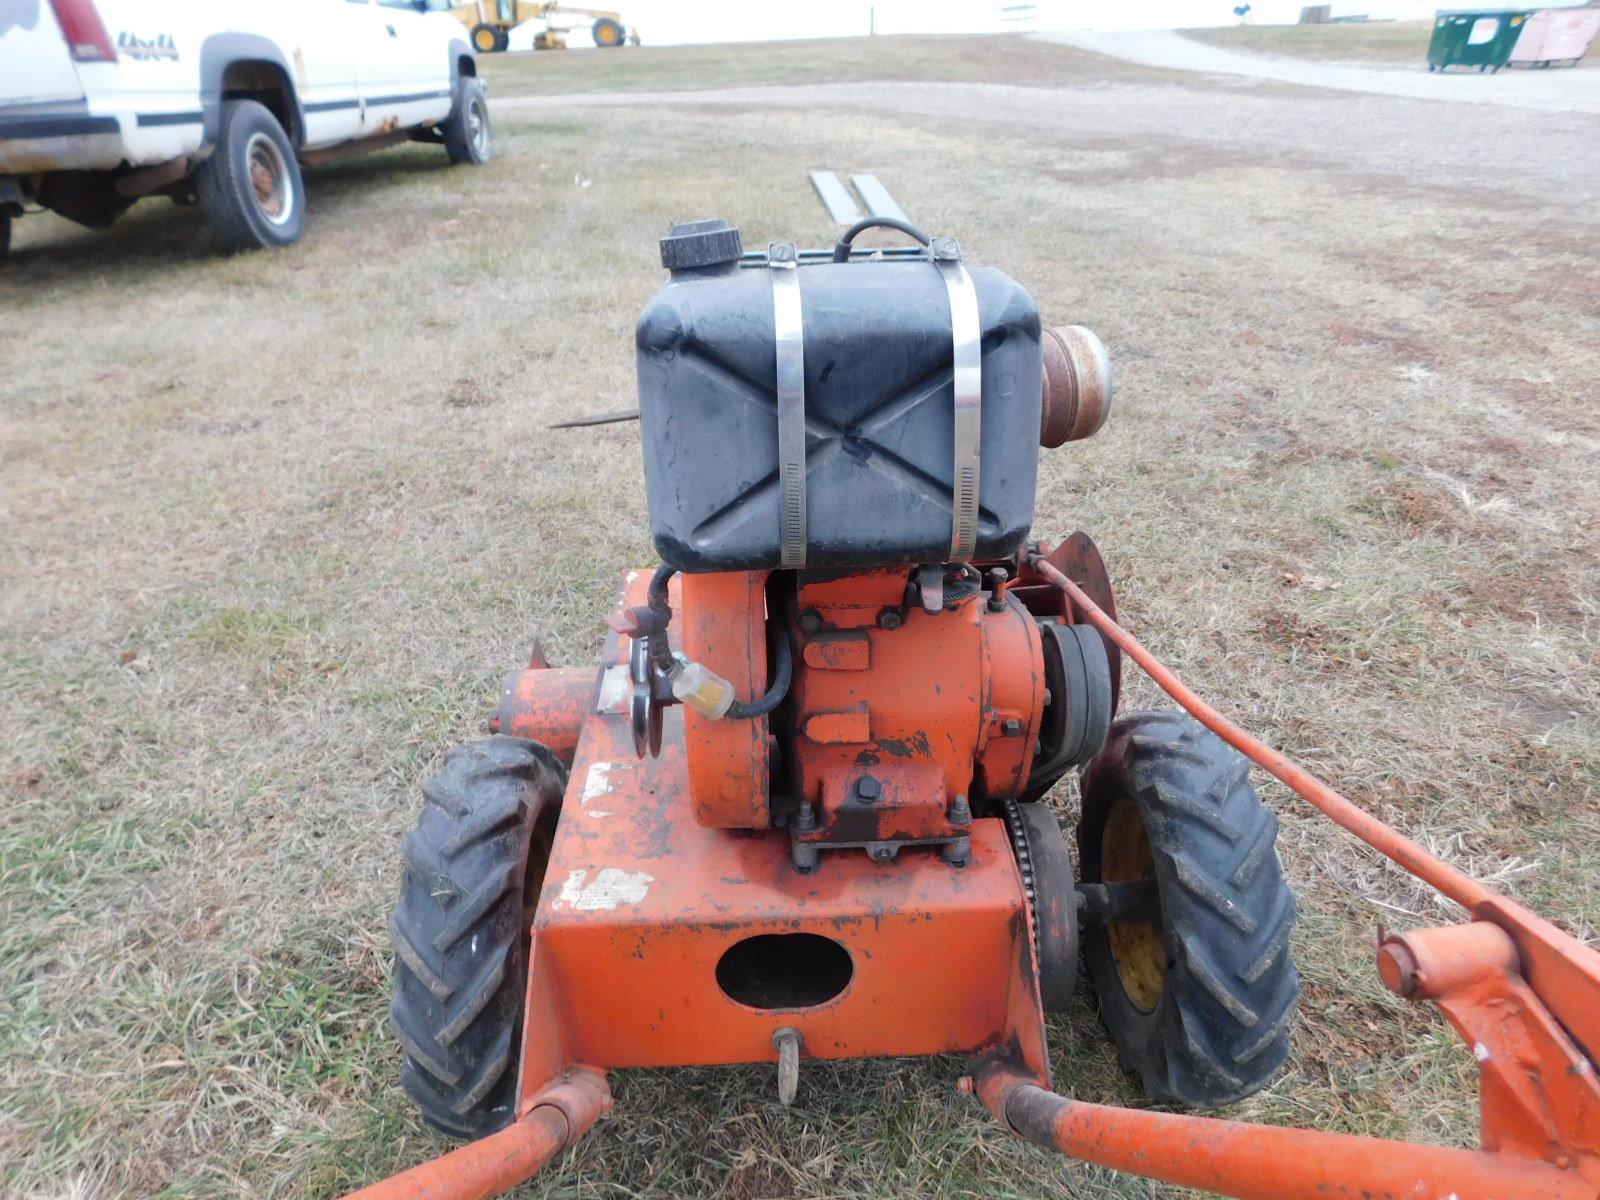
x=696, y=245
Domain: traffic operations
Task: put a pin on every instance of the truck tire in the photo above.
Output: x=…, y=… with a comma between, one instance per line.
x=608, y=33
x=250, y=187
x=468, y=136
x=1198, y=1002
x=474, y=866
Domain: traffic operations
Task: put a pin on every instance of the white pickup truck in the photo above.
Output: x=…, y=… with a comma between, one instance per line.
x=219, y=102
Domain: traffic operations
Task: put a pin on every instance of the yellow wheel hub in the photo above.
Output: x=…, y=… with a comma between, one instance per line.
x=1136, y=946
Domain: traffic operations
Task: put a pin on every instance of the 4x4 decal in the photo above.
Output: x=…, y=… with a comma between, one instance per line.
x=159, y=47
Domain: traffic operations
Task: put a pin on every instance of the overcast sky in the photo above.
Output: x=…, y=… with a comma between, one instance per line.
x=662, y=22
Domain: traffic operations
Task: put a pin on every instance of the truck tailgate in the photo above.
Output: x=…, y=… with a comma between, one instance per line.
x=38, y=67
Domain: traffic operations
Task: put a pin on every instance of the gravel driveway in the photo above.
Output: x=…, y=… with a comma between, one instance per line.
x=1543, y=160
x=1547, y=91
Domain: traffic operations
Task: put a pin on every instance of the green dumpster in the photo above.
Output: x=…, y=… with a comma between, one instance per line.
x=1475, y=37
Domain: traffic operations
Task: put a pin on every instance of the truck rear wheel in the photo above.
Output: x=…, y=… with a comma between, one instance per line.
x=608, y=33
x=1198, y=1000
x=468, y=136
x=250, y=187
x=474, y=867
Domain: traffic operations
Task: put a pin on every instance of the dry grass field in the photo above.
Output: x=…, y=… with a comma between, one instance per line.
x=956, y=57
x=1361, y=41
x=276, y=525
x=1397, y=42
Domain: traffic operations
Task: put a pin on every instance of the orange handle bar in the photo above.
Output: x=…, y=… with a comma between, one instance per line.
x=1263, y=1162
x=561, y=1115
x=1460, y=887
x=479, y=1169
x=1563, y=972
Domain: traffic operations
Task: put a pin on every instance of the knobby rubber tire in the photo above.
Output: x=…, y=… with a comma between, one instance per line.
x=1220, y=1028
x=458, y=143
x=224, y=186
x=460, y=930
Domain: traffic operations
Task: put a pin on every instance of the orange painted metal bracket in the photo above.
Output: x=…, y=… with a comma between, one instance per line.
x=1539, y=1095
x=546, y=705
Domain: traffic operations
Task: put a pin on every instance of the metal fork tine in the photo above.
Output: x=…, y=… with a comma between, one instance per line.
x=835, y=197
x=879, y=202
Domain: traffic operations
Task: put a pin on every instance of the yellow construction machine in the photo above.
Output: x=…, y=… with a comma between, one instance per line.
x=491, y=23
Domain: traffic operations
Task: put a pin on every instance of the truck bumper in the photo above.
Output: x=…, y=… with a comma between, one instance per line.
x=39, y=138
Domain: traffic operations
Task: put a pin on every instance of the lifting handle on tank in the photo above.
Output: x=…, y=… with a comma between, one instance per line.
x=842, y=248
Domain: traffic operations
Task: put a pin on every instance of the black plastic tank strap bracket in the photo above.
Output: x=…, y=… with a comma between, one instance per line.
x=789, y=344
x=966, y=370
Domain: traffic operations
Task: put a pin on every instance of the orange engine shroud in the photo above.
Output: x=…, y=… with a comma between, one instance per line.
x=922, y=702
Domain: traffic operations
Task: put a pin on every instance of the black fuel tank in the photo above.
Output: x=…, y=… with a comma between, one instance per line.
x=879, y=414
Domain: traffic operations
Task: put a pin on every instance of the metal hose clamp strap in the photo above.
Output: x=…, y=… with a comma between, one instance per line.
x=789, y=343
x=967, y=376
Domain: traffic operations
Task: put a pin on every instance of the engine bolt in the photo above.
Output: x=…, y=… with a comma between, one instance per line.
x=890, y=618
x=868, y=789
x=997, y=588
x=810, y=621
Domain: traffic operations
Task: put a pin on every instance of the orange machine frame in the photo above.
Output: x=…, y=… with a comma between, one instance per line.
x=640, y=902
x=1522, y=993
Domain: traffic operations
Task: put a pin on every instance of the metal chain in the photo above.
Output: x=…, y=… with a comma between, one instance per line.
x=1020, y=847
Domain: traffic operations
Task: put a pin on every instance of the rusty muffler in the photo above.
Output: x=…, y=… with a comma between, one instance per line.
x=1077, y=385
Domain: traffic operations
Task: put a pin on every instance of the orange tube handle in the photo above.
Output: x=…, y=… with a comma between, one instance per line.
x=560, y=1115
x=1459, y=886
x=1261, y=1162
x=479, y=1169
